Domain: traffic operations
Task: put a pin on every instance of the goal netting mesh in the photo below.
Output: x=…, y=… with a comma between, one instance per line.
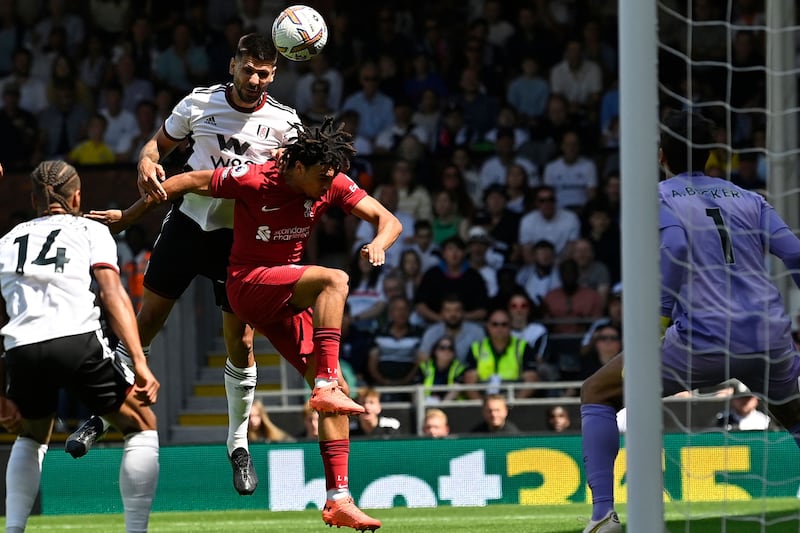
x=735, y=62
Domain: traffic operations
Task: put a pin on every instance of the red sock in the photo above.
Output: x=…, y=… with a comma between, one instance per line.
x=335, y=454
x=326, y=351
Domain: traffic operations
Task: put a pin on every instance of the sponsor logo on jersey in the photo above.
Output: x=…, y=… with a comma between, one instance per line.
x=290, y=234
x=263, y=233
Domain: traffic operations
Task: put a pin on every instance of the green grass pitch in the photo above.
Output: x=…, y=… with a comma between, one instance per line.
x=771, y=516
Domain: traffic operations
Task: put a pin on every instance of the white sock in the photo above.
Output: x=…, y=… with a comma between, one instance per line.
x=240, y=388
x=23, y=473
x=322, y=382
x=337, y=494
x=138, y=477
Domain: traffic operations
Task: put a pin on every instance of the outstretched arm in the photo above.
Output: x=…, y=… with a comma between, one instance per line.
x=196, y=181
x=388, y=228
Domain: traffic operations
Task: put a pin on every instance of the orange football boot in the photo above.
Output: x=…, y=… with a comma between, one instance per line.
x=344, y=513
x=331, y=399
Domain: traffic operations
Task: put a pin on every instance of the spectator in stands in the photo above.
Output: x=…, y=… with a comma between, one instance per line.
x=254, y=17
x=262, y=429
x=518, y=190
x=549, y=222
x=557, y=419
x=310, y=423
x=134, y=88
x=423, y=79
x=495, y=416
x=482, y=258
x=146, y=127
x=345, y=47
x=391, y=79
x=184, y=64
x=535, y=37
x=371, y=423
x=389, y=139
x=528, y=92
x=319, y=70
x=570, y=306
x=64, y=72
x=435, y=424
x=94, y=150
x=132, y=271
x=33, y=92
x=318, y=108
x=580, y=80
x=453, y=325
x=452, y=276
x=350, y=120
x=494, y=168
x=393, y=357
x=526, y=324
x=354, y=348
x=141, y=46
x=93, y=67
x=58, y=16
x=606, y=342
x=452, y=180
x=547, y=132
x=447, y=222
x=442, y=368
x=374, y=108
x=746, y=175
x=223, y=46
x=20, y=131
x=743, y=413
x=597, y=49
x=507, y=119
x=501, y=222
x=413, y=198
x=591, y=273
x=479, y=108
x=572, y=176
x=410, y=272
x=604, y=238
x=453, y=131
x=539, y=272
x=121, y=126
x=500, y=357
x=428, y=115
x=612, y=317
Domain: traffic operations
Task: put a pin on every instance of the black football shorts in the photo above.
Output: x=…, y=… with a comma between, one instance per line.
x=81, y=363
x=184, y=251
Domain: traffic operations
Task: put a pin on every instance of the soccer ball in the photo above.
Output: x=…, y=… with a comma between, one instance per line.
x=299, y=33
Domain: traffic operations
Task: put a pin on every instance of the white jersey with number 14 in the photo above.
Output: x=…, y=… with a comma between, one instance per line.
x=45, y=277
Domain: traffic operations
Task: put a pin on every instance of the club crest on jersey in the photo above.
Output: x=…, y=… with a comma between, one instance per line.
x=262, y=131
x=308, y=206
x=236, y=172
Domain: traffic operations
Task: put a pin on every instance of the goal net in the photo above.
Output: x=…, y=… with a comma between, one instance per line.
x=735, y=62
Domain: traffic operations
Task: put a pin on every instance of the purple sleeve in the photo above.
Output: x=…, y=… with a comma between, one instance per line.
x=782, y=242
x=674, y=251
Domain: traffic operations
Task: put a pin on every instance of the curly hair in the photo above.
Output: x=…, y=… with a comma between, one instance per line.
x=54, y=181
x=327, y=146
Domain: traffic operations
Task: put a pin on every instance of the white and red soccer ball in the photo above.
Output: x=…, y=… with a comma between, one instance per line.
x=299, y=33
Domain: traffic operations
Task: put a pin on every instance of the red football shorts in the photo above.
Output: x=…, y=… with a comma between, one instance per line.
x=261, y=298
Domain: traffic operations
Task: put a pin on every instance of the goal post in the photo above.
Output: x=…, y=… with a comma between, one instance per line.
x=639, y=212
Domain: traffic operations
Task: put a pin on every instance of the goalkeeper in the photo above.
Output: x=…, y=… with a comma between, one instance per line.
x=722, y=316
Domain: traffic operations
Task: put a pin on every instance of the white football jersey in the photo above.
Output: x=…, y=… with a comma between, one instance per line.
x=45, y=277
x=222, y=134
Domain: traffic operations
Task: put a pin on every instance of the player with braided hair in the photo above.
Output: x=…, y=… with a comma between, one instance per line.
x=299, y=308
x=50, y=332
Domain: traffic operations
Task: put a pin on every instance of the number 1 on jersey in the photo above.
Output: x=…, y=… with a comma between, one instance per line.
x=724, y=234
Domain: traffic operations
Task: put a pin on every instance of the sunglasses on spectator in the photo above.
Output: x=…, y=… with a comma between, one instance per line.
x=445, y=347
x=519, y=306
x=499, y=324
x=608, y=337
x=546, y=199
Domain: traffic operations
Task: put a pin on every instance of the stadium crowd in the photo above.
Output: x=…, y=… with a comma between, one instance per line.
x=489, y=128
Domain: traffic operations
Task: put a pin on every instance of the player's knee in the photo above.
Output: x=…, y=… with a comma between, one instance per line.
x=338, y=281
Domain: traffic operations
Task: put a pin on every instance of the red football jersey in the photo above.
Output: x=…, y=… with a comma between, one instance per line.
x=271, y=221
